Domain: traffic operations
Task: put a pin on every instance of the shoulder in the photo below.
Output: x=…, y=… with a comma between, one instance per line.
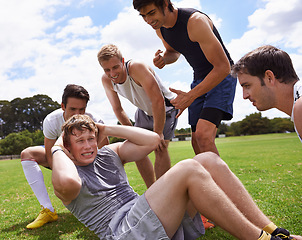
x=136, y=66
x=105, y=80
x=200, y=18
x=137, y=70
x=53, y=116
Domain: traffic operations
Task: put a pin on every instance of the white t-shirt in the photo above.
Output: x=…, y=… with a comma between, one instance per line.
x=137, y=95
x=52, y=124
x=297, y=95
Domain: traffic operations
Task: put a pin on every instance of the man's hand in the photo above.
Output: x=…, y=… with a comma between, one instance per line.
x=60, y=144
x=158, y=60
x=162, y=145
x=101, y=135
x=182, y=101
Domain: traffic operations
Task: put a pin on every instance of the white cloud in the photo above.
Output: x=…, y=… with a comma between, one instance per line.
x=44, y=48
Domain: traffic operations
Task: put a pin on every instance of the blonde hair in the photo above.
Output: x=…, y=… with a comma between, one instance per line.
x=108, y=51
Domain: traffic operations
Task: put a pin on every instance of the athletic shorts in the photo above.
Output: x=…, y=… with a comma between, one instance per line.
x=221, y=97
x=145, y=121
x=141, y=223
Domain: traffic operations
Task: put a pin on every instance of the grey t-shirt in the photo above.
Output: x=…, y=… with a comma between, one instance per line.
x=105, y=189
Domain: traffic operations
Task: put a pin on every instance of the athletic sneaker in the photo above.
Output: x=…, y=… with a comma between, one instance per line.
x=207, y=223
x=45, y=216
x=282, y=233
x=266, y=236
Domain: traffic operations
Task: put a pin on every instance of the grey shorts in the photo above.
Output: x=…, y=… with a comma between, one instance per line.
x=141, y=223
x=145, y=121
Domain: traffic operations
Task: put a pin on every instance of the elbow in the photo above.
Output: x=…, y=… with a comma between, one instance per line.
x=65, y=186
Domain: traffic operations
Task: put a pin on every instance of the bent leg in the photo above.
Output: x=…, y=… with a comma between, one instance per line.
x=145, y=168
x=233, y=188
x=203, y=139
x=169, y=196
x=30, y=157
x=162, y=161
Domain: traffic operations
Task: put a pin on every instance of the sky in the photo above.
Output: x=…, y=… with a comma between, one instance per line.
x=47, y=44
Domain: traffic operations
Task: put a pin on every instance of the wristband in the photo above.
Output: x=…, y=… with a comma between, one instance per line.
x=58, y=149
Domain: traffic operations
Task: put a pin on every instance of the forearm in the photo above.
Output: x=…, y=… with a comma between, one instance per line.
x=214, y=77
x=138, y=136
x=65, y=176
x=48, y=144
x=159, y=118
x=170, y=56
x=122, y=117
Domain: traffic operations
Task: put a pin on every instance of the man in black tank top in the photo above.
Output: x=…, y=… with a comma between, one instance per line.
x=191, y=33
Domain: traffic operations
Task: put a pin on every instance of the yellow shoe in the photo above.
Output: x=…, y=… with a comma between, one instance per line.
x=44, y=217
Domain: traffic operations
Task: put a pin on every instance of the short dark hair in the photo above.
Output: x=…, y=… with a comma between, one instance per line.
x=264, y=58
x=138, y=4
x=75, y=91
x=80, y=122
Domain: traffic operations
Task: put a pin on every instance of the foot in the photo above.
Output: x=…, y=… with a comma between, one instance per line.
x=282, y=233
x=45, y=216
x=207, y=223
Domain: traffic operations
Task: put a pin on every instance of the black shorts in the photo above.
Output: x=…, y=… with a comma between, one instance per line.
x=212, y=115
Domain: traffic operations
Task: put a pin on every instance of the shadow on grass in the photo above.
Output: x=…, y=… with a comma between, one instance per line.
x=67, y=227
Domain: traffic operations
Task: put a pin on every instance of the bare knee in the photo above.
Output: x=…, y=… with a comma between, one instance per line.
x=26, y=153
x=191, y=168
x=36, y=153
x=203, y=138
x=211, y=162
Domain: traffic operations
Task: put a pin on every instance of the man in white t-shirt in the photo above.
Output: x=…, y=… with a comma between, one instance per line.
x=74, y=101
x=269, y=80
x=138, y=83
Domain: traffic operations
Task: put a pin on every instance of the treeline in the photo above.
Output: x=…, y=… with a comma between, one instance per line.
x=24, y=114
x=252, y=124
x=21, y=124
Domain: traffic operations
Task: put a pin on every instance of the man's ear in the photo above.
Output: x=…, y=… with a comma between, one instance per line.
x=63, y=107
x=269, y=77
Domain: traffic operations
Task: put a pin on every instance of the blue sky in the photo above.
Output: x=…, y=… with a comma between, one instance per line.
x=46, y=44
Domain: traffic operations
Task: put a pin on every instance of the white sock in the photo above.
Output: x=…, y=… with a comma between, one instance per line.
x=35, y=179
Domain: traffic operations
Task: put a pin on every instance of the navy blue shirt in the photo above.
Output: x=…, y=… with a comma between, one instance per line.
x=177, y=37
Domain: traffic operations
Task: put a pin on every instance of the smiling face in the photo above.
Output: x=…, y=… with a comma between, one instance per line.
x=83, y=146
x=153, y=15
x=74, y=106
x=115, y=69
x=260, y=95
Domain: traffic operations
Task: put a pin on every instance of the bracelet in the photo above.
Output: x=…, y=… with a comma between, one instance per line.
x=58, y=149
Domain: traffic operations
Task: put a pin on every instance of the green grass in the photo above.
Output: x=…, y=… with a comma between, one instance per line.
x=268, y=165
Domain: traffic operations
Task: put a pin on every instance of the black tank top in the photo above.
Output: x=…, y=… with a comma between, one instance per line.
x=177, y=37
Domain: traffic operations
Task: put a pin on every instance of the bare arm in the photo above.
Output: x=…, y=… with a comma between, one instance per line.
x=65, y=178
x=169, y=56
x=140, y=142
x=200, y=29
x=144, y=76
x=298, y=116
x=115, y=102
x=213, y=50
x=48, y=143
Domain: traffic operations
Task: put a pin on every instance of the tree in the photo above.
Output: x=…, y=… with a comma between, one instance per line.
x=222, y=129
x=255, y=124
x=14, y=143
x=27, y=113
x=281, y=125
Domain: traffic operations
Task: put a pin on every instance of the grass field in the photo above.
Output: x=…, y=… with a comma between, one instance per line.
x=268, y=165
